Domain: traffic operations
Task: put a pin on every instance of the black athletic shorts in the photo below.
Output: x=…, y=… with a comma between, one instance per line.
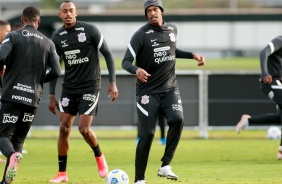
x=83, y=103
x=273, y=91
x=16, y=119
x=150, y=106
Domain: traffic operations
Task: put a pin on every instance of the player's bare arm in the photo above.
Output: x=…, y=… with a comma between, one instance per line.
x=142, y=75
x=3, y=70
x=199, y=58
x=112, y=90
x=53, y=103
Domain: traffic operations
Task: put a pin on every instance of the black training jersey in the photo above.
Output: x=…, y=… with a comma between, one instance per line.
x=79, y=48
x=271, y=59
x=153, y=48
x=1, y=82
x=27, y=54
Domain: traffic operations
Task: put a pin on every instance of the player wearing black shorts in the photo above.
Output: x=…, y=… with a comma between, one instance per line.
x=27, y=54
x=271, y=78
x=154, y=48
x=79, y=44
x=5, y=28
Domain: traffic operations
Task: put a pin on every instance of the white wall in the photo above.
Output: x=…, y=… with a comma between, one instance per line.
x=201, y=35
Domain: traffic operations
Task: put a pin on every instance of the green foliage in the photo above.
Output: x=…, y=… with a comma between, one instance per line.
x=225, y=158
x=191, y=4
x=50, y=4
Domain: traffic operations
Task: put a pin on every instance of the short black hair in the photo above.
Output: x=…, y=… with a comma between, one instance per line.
x=31, y=13
x=66, y=1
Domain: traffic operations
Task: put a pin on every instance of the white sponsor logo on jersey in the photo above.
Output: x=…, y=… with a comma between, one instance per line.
x=8, y=118
x=155, y=44
x=21, y=98
x=22, y=87
x=160, y=54
x=80, y=29
x=74, y=61
x=27, y=34
x=176, y=107
x=171, y=28
x=149, y=31
x=64, y=44
x=161, y=49
x=72, y=57
x=62, y=33
x=28, y=117
x=72, y=52
x=89, y=97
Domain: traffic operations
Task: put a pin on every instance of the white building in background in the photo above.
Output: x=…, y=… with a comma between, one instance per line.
x=11, y=7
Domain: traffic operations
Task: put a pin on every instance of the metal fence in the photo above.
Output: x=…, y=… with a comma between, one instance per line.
x=211, y=100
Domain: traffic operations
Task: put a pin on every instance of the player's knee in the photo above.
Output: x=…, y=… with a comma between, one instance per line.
x=84, y=131
x=65, y=130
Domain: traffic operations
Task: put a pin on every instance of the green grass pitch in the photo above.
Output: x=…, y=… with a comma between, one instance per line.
x=226, y=64
x=226, y=157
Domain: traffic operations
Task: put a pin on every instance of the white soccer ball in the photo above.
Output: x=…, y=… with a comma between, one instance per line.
x=273, y=132
x=117, y=176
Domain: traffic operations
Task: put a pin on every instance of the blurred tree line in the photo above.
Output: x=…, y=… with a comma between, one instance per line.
x=50, y=4
x=168, y=4
x=189, y=4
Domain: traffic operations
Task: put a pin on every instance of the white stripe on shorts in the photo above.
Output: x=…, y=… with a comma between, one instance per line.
x=94, y=105
x=60, y=106
x=276, y=87
x=142, y=110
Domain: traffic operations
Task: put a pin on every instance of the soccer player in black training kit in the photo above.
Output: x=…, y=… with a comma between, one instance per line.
x=263, y=119
x=5, y=28
x=79, y=43
x=154, y=48
x=27, y=54
x=271, y=78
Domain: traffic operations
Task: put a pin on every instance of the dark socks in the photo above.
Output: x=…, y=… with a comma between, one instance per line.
x=97, y=151
x=62, y=163
x=164, y=164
